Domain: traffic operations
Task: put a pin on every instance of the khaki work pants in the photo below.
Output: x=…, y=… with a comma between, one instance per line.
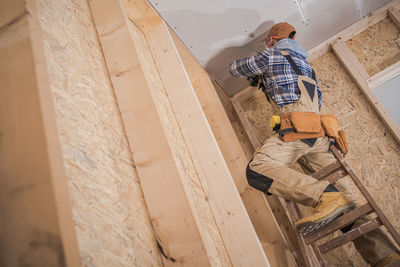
x=272, y=160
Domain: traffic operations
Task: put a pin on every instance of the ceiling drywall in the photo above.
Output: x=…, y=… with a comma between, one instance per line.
x=220, y=31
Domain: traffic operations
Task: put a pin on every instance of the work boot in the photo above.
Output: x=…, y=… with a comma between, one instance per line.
x=330, y=206
x=386, y=261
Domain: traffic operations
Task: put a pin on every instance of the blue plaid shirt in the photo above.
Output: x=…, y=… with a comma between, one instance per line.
x=277, y=73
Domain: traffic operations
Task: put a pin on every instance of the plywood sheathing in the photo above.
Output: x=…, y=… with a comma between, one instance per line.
x=378, y=47
x=112, y=224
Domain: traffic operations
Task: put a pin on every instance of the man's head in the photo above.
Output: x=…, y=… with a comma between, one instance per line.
x=278, y=32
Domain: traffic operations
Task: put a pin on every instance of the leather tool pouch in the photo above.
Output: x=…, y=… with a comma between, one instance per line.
x=310, y=129
x=330, y=124
x=305, y=122
x=341, y=142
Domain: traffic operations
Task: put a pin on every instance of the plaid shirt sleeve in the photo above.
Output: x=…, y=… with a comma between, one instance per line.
x=247, y=67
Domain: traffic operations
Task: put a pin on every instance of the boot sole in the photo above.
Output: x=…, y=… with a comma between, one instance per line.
x=309, y=227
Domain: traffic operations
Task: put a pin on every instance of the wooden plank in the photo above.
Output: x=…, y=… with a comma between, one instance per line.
x=338, y=223
x=350, y=235
x=216, y=116
x=367, y=196
x=149, y=130
x=10, y=12
x=354, y=29
x=37, y=228
x=235, y=227
x=359, y=75
x=395, y=16
x=384, y=76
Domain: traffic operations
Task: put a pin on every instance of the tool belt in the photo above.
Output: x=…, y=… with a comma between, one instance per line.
x=304, y=125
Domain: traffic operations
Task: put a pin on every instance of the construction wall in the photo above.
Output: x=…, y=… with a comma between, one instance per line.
x=110, y=215
x=374, y=153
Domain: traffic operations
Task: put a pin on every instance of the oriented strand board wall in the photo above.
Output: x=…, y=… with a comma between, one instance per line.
x=378, y=47
x=374, y=154
x=110, y=214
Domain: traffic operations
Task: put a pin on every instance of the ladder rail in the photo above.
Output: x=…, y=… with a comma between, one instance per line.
x=367, y=196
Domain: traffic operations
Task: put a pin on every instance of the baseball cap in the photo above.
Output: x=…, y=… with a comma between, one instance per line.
x=280, y=31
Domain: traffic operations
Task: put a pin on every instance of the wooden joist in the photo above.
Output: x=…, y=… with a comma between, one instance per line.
x=148, y=123
x=394, y=14
x=236, y=230
x=360, y=76
x=36, y=226
x=149, y=130
x=353, y=30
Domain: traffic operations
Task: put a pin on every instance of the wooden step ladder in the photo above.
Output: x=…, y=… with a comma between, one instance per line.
x=311, y=250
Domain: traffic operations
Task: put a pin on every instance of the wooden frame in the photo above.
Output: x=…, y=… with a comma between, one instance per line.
x=37, y=227
x=158, y=65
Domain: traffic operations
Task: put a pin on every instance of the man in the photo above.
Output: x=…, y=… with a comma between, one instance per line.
x=292, y=90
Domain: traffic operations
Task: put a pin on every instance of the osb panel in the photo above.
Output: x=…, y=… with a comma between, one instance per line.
x=112, y=223
x=258, y=112
x=374, y=154
x=378, y=47
x=206, y=224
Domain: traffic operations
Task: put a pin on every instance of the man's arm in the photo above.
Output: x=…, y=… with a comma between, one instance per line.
x=247, y=67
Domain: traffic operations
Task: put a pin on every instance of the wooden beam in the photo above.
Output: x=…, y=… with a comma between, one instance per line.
x=384, y=76
x=354, y=29
x=394, y=14
x=240, y=239
x=360, y=76
x=216, y=115
x=156, y=143
x=36, y=226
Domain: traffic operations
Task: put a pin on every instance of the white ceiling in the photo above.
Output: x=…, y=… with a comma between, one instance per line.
x=220, y=31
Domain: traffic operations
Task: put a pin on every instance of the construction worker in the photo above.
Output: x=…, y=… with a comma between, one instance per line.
x=292, y=89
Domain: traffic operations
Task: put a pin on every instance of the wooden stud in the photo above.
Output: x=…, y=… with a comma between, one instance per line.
x=149, y=131
x=235, y=227
x=216, y=116
x=384, y=76
x=354, y=29
x=395, y=16
x=36, y=226
x=360, y=76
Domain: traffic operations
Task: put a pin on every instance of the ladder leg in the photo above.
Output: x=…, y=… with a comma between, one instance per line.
x=311, y=259
x=367, y=196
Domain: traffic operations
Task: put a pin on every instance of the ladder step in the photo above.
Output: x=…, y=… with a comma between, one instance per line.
x=338, y=223
x=327, y=170
x=351, y=235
